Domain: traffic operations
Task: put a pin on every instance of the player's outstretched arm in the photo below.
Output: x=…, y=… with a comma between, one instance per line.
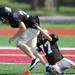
x=43, y=32
x=21, y=29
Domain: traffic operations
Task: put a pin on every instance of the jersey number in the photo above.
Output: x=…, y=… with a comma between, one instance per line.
x=47, y=47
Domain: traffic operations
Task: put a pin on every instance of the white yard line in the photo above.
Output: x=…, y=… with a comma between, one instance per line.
x=67, y=48
x=14, y=63
x=14, y=48
x=9, y=48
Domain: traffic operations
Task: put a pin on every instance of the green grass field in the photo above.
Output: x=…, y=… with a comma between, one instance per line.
x=63, y=42
x=18, y=69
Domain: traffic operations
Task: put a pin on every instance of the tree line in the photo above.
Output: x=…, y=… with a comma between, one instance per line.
x=35, y=4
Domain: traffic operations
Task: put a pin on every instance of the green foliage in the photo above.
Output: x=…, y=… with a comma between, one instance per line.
x=41, y=11
x=68, y=1
x=67, y=10
x=22, y=6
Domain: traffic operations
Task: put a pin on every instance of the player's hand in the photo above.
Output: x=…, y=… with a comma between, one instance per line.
x=11, y=39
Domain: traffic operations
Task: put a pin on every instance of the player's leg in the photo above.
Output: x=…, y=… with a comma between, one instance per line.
x=67, y=63
x=63, y=64
x=36, y=53
x=24, y=41
x=42, y=59
x=57, y=68
x=32, y=44
x=49, y=69
x=70, y=62
x=27, y=50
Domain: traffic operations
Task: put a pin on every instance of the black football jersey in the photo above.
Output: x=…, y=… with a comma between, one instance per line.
x=50, y=50
x=15, y=16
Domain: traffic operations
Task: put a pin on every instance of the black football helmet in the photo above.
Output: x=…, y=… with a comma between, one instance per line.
x=55, y=38
x=5, y=13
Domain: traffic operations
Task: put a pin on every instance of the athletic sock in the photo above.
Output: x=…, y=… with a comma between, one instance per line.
x=34, y=58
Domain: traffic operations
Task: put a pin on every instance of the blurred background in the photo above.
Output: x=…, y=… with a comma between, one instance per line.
x=43, y=7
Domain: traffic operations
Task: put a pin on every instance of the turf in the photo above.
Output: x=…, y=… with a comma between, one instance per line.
x=64, y=41
x=4, y=41
x=51, y=25
x=46, y=25
x=18, y=69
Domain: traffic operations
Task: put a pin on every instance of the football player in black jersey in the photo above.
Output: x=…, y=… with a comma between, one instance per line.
x=28, y=30
x=53, y=54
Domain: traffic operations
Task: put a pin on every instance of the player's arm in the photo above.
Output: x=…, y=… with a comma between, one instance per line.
x=47, y=36
x=21, y=29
